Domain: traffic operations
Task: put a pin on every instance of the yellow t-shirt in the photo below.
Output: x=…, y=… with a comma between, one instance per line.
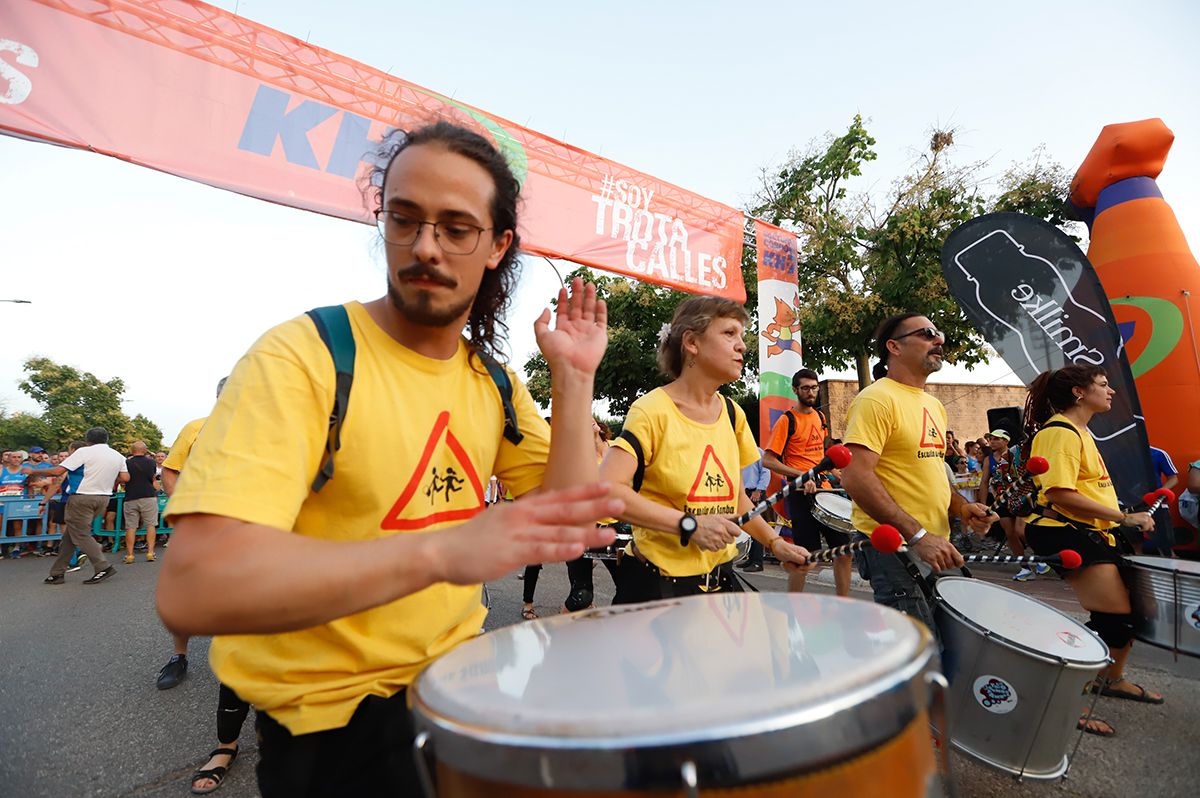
x=420, y=439
x=693, y=467
x=906, y=427
x=1075, y=463
x=182, y=447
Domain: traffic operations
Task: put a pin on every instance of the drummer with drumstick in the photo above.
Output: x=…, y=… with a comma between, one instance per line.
x=798, y=442
x=896, y=431
x=678, y=462
x=1077, y=509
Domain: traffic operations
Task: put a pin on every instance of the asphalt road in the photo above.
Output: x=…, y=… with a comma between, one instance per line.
x=81, y=715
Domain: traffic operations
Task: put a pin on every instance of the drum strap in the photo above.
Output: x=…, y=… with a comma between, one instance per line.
x=640, y=474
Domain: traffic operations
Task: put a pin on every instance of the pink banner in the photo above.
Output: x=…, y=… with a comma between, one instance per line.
x=195, y=91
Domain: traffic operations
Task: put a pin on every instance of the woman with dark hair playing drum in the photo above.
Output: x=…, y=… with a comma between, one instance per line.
x=678, y=463
x=1077, y=509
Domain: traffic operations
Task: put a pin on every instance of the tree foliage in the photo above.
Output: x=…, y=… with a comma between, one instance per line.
x=72, y=402
x=637, y=311
x=864, y=258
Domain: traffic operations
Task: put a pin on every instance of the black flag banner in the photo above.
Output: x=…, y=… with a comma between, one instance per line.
x=1037, y=300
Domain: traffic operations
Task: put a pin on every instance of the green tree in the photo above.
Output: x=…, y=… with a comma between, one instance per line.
x=637, y=311
x=864, y=258
x=73, y=401
x=23, y=431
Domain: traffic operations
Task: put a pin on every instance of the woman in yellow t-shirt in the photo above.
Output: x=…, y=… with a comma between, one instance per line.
x=1077, y=509
x=679, y=461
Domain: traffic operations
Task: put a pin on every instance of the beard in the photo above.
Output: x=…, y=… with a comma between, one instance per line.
x=420, y=310
x=932, y=363
x=808, y=400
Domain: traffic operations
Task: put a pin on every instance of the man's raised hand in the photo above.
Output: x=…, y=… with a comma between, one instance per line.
x=580, y=333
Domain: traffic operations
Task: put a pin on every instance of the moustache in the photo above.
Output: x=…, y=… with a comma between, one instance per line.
x=421, y=271
x=937, y=350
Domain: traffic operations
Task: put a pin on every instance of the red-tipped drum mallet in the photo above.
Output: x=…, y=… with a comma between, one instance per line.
x=885, y=538
x=1156, y=499
x=835, y=457
x=1066, y=558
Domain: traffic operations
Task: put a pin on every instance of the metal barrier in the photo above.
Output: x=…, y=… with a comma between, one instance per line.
x=30, y=511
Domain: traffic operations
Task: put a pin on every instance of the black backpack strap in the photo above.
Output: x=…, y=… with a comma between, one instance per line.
x=640, y=473
x=791, y=422
x=1060, y=425
x=732, y=417
x=333, y=325
x=504, y=385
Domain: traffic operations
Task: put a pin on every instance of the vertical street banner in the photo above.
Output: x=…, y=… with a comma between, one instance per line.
x=198, y=92
x=780, y=353
x=1037, y=300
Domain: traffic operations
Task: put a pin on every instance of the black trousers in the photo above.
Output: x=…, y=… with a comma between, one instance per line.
x=638, y=582
x=372, y=755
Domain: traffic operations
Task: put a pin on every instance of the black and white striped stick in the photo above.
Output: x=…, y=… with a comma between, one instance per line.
x=829, y=555
x=835, y=457
x=1029, y=559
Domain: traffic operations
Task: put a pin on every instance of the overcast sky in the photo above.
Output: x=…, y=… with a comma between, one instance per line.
x=165, y=283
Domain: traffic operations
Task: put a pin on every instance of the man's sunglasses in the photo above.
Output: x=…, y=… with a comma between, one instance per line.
x=928, y=333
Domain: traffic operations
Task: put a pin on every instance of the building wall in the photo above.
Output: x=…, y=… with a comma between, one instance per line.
x=966, y=405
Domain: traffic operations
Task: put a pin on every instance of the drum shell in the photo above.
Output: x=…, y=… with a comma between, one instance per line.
x=831, y=519
x=1164, y=600
x=1031, y=740
x=788, y=747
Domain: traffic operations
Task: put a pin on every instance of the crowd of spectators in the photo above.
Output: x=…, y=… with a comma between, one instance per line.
x=137, y=498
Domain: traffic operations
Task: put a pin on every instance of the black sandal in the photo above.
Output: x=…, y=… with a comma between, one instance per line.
x=216, y=774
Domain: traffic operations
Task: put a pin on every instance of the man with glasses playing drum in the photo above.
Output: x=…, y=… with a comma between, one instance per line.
x=798, y=442
x=896, y=432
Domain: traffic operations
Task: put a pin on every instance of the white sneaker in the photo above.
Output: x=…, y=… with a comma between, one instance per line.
x=1023, y=575
x=1041, y=569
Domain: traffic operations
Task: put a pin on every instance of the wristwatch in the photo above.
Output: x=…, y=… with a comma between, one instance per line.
x=687, y=527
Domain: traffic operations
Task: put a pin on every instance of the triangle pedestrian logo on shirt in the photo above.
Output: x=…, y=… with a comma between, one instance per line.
x=712, y=480
x=443, y=487
x=931, y=435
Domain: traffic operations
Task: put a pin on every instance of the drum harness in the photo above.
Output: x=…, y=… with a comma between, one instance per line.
x=705, y=582
x=1048, y=511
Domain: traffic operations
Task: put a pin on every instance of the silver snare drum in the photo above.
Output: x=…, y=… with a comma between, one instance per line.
x=1017, y=670
x=833, y=511
x=731, y=690
x=610, y=551
x=1165, y=595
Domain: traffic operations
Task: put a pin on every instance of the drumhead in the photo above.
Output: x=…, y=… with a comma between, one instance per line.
x=833, y=504
x=1186, y=567
x=1021, y=620
x=694, y=670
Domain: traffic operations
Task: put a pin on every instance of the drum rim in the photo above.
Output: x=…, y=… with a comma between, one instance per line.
x=1135, y=561
x=768, y=746
x=1013, y=644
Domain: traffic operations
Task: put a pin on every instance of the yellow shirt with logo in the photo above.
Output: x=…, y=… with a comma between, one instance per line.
x=182, y=447
x=420, y=439
x=1075, y=463
x=692, y=467
x=906, y=427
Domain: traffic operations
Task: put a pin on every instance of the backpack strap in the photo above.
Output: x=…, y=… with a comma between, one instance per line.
x=333, y=325
x=504, y=385
x=640, y=473
x=731, y=413
x=791, y=422
x=1048, y=510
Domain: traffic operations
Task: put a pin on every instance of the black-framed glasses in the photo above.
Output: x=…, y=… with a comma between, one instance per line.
x=927, y=333
x=808, y=388
x=455, y=238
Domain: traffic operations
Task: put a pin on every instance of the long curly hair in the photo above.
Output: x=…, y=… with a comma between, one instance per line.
x=485, y=324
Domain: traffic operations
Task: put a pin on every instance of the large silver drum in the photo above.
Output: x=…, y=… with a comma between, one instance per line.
x=1017, y=671
x=768, y=693
x=1166, y=602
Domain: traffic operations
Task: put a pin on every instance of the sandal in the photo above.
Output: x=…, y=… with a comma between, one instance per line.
x=149, y=556
x=217, y=775
x=1089, y=724
x=129, y=559
x=1142, y=696
x=529, y=613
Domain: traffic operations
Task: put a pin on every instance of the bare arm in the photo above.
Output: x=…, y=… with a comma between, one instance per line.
x=227, y=576
x=1171, y=482
x=868, y=492
x=775, y=465
x=169, y=477
x=1076, y=503
x=618, y=469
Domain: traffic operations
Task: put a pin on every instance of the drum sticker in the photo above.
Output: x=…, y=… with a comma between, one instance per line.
x=1193, y=616
x=995, y=695
x=1071, y=639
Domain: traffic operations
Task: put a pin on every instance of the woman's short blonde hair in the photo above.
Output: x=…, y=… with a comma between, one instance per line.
x=694, y=315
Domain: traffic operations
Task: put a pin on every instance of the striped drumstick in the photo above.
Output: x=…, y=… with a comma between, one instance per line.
x=835, y=457
x=885, y=538
x=1067, y=559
